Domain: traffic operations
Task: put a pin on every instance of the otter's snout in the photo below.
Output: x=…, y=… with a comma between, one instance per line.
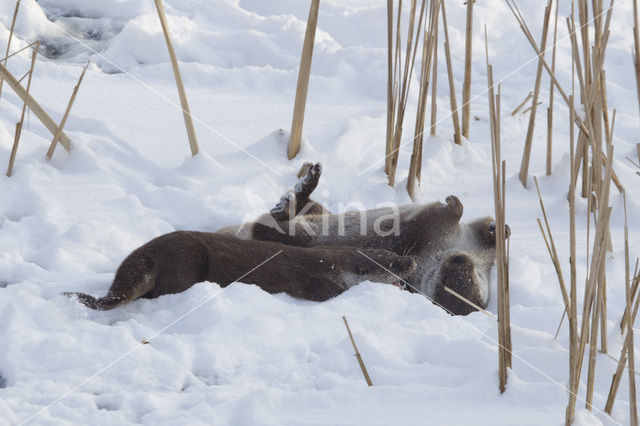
x=458, y=275
x=459, y=264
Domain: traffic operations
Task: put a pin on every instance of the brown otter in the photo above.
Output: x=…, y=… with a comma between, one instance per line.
x=448, y=252
x=174, y=262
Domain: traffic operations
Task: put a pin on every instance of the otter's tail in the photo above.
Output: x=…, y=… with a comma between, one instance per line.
x=102, y=304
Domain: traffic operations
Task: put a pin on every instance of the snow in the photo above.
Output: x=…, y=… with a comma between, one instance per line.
x=239, y=355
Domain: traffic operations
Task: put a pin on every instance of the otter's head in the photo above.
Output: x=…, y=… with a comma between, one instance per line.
x=460, y=274
x=380, y=266
x=463, y=267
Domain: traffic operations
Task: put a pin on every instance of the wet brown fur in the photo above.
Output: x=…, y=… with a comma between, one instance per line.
x=174, y=262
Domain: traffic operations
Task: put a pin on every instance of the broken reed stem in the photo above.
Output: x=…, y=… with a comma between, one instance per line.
x=531, y=107
x=519, y=107
x=357, y=354
x=13, y=25
x=56, y=136
x=468, y=302
x=526, y=155
x=19, y=125
x=556, y=264
x=564, y=314
x=18, y=51
x=427, y=55
x=504, y=327
x=186, y=112
x=452, y=89
x=34, y=106
x=550, y=109
x=466, y=86
x=616, y=360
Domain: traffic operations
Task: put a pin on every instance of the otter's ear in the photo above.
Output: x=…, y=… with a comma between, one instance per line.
x=485, y=230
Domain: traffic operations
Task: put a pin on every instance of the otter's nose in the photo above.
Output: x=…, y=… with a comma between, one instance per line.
x=459, y=261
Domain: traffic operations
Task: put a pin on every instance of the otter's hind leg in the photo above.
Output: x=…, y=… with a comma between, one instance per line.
x=308, y=182
x=134, y=279
x=297, y=201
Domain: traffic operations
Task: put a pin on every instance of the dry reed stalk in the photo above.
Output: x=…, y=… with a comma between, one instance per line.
x=427, y=58
x=357, y=354
x=56, y=136
x=28, y=46
x=636, y=53
x=633, y=408
x=19, y=125
x=466, y=86
x=638, y=149
x=468, y=302
x=42, y=115
x=452, y=90
x=519, y=107
x=605, y=107
x=401, y=95
x=526, y=155
x=551, y=248
x=573, y=298
x=13, y=24
x=550, y=109
x=390, y=86
x=525, y=29
x=531, y=107
x=622, y=362
x=186, y=112
x=434, y=87
x=634, y=292
x=600, y=313
x=597, y=264
x=504, y=328
x=616, y=360
x=593, y=92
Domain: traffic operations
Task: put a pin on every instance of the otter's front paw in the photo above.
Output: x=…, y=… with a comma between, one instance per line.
x=403, y=265
x=286, y=208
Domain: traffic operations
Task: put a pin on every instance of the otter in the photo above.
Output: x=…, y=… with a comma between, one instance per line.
x=174, y=262
x=448, y=252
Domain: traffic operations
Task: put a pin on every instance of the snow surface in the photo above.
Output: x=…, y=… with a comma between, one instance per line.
x=239, y=355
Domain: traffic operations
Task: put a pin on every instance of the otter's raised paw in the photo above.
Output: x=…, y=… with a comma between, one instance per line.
x=454, y=204
x=308, y=183
x=286, y=208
